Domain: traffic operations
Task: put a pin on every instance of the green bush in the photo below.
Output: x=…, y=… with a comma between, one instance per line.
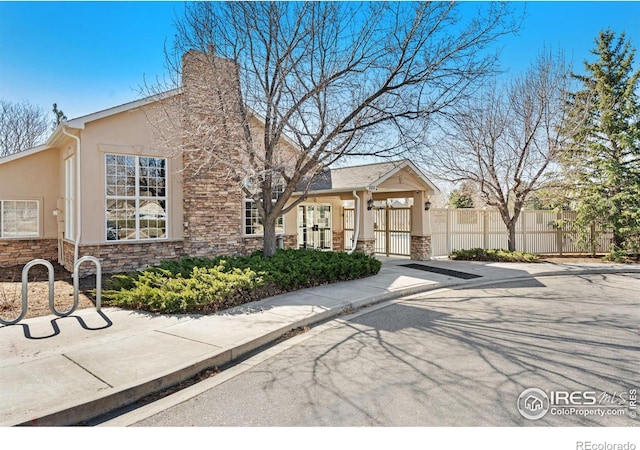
x=493, y=255
x=618, y=255
x=208, y=285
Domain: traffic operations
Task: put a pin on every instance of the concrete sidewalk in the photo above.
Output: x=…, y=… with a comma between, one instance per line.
x=61, y=371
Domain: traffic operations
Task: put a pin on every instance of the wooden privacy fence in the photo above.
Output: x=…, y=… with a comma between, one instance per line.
x=536, y=231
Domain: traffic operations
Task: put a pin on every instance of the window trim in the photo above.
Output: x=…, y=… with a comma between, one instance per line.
x=276, y=192
x=244, y=221
x=137, y=198
x=38, y=234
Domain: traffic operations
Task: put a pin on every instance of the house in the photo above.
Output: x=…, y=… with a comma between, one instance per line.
x=100, y=187
x=533, y=403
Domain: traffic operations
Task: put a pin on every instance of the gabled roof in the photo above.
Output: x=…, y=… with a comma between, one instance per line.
x=364, y=177
x=24, y=153
x=80, y=122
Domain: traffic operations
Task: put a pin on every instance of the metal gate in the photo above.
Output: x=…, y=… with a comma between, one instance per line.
x=392, y=230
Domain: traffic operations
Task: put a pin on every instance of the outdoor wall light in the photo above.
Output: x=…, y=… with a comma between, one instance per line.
x=427, y=205
x=370, y=204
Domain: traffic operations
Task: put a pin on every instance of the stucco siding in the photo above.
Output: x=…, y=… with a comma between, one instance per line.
x=127, y=133
x=34, y=177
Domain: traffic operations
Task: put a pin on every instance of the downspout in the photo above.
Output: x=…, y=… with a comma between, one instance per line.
x=78, y=194
x=356, y=225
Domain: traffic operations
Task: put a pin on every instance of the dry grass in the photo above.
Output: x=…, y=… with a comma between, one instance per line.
x=38, y=292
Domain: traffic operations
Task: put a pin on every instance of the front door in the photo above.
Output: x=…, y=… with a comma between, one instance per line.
x=314, y=227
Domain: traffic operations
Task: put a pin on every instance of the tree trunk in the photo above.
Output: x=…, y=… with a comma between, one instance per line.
x=269, y=244
x=618, y=239
x=511, y=239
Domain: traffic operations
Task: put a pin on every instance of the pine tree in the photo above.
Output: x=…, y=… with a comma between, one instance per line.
x=59, y=116
x=603, y=161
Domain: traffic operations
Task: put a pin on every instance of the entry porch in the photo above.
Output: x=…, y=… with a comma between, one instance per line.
x=376, y=208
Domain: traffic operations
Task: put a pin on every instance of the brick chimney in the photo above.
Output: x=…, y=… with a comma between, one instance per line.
x=213, y=203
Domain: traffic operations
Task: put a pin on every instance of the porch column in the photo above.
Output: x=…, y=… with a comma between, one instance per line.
x=420, y=228
x=366, y=237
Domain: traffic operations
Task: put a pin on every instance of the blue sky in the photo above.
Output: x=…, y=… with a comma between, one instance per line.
x=88, y=56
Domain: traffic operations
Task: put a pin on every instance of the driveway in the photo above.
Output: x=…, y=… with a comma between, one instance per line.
x=448, y=358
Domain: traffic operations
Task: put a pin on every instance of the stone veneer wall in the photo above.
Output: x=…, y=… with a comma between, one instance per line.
x=420, y=248
x=338, y=241
x=213, y=200
x=368, y=247
x=123, y=257
x=21, y=251
x=253, y=243
x=290, y=241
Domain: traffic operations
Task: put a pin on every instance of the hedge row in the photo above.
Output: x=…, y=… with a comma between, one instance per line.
x=493, y=255
x=203, y=285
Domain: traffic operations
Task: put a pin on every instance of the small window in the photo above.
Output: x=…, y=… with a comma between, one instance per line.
x=252, y=221
x=19, y=218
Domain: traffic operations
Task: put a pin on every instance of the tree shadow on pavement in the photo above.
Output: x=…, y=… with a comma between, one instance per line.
x=477, y=350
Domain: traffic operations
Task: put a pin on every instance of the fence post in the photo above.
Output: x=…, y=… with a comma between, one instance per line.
x=522, y=217
x=447, y=228
x=559, y=232
x=485, y=228
x=592, y=239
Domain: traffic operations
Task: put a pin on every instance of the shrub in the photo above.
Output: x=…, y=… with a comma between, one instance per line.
x=493, y=255
x=208, y=285
x=619, y=255
x=159, y=290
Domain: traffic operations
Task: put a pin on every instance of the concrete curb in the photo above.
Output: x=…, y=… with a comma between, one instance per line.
x=101, y=404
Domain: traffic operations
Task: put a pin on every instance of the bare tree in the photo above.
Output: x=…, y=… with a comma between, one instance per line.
x=22, y=126
x=507, y=139
x=327, y=79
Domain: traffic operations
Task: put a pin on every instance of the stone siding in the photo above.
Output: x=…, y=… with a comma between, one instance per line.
x=290, y=241
x=420, y=248
x=338, y=241
x=213, y=199
x=21, y=251
x=368, y=246
x=252, y=243
x=123, y=257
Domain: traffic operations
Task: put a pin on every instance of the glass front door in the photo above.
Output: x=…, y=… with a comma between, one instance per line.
x=314, y=227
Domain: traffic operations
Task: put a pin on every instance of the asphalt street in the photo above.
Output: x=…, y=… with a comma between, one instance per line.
x=456, y=357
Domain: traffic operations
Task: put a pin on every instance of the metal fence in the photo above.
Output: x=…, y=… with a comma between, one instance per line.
x=536, y=231
x=392, y=230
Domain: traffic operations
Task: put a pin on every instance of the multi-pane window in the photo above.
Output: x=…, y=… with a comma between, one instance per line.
x=253, y=222
x=136, y=188
x=19, y=218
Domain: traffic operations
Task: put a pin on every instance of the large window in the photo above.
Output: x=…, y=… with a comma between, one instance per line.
x=252, y=221
x=136, y=188
x=19, y=218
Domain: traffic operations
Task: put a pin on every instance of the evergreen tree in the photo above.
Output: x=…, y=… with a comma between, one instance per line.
x=460, y=199
x=603, y=161
x=59, y=116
